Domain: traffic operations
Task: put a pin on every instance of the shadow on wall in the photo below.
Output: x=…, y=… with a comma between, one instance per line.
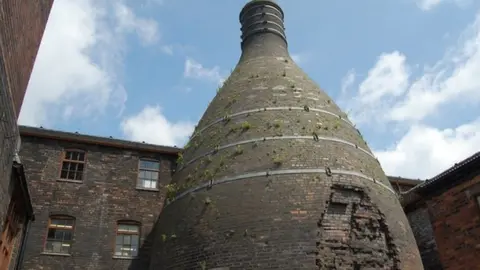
x=142, y=262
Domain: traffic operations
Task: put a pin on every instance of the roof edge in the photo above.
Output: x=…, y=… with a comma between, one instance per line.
x=440, y=181
x=405, y=181
x=20, y=170
x=28, y=131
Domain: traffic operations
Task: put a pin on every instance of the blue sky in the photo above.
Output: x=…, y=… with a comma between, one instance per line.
x=406, y=71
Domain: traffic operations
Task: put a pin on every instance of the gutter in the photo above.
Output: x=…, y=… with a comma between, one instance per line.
x=29, y=216
x=21, y=254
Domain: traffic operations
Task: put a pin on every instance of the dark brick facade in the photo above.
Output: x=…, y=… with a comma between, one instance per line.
x=22, y=26
x=106, y=195
x=22, y=23
x=419, y=219
x=444, y=214
x=455, y=218
x=276, y=176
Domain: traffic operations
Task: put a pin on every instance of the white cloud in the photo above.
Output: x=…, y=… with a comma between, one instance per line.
x=77, y=67
x=396, y=97
x=348, y=81
x=390, y=88
x=147, y=29
x=427, y=5
x=151, y=126
x=425, y=151
x=167, y=49
x=195, y=70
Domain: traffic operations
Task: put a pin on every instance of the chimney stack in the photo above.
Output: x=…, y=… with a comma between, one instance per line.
x=275, y=176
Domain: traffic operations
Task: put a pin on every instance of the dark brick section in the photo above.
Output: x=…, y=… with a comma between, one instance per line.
x=444, y=214
x=8, y=141
x=296, y=221
x=455, y=218
x=107, y=194
x=421, y=225
x=23, y=23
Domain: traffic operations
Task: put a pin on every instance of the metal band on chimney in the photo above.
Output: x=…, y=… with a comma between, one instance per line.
x=262, y=16
x=246, y=176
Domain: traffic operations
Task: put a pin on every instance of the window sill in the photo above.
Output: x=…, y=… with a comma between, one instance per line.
x=124, y=258
x=70, y=181
x=56, y=254
x=147, y=189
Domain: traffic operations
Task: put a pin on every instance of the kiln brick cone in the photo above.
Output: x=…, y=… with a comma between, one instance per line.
x=275, y=176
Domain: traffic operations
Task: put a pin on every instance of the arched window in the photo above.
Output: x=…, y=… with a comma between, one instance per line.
x=73, y=165
x=59, y=234
x=127, y=240
x=148, y=172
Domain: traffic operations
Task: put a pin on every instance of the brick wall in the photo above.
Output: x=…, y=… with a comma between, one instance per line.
x=8, y=140
x=22, y=26
x=455, y=218
x=107, y=194
x=420, y=223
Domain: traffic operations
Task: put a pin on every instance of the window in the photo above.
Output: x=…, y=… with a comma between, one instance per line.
x=73, y=165
x=148, y=174
x=11, y=228
x=59, y=235
x=127, y=239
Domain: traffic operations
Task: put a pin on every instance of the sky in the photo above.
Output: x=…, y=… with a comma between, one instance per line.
x=407, y=72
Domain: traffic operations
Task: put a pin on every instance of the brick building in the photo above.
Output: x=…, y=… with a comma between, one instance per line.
x=402, y=185
x=444, y=214
x=22, y=23
x=85, y=188
x=95, y=199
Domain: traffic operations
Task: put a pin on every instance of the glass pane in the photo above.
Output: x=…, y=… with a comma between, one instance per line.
x=68, y=155
x=143, y=164
x=51, y=234
x=78, y=176
x=154, y=175
x=58, y=235
x=63, y=174
x=119, y=240
x=67, y=235
x=74, y=155
x=56, y=247
x=65, y=248
x=56, y=222
x=134, y=251
x=80, y=167
x=147, y=183
x=118, y=250
x=142, y=174
x=69, y=222
x=127, y=228
x=150, y=165
x=81, y=156
x=135, y=240
x=122, y=228
x=65, y=166
x=153, y=184
x=127, y=240
x=71, y=175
